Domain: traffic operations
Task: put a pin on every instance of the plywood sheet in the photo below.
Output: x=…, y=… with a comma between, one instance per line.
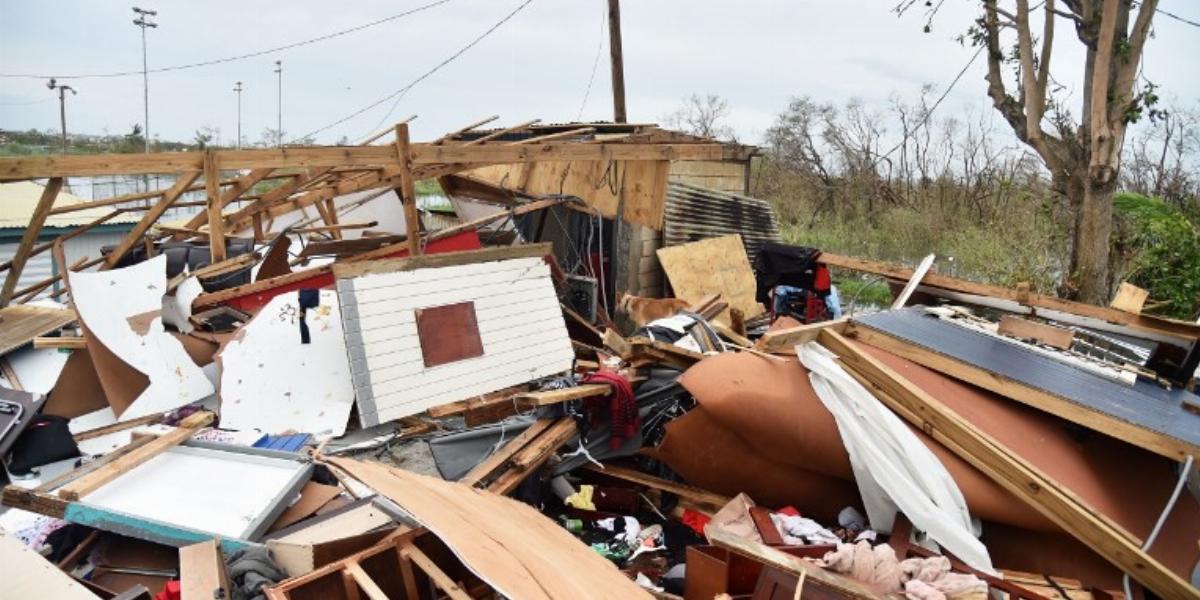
x=120, y=309
x=21, y=323
x=508, y=544
x=520, y=325
x=28, y=575
x=713, y=266
x=272, y=383
x=600, y=184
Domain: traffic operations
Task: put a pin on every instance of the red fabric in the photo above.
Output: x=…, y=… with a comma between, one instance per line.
x=622, y=406
x=789, y=510
x=821, y=279
x=695, y=520
x=172, y=591
x=467, y=240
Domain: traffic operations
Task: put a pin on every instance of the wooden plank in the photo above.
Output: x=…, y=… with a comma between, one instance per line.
x=545, y=398
x=408, y=193
x=1130, y=298
x=150, y=218
x=560, y=151
x=784, y=340
x=437, y=261
x=364, y=581
x=439, y=577
x=20, y=325
x=1024, y=329
x=910, y=287
x=216, y=225
x=1013, y=473
x=790, y=564
x=237, y=187
x=90, y=482
x=32, y=230
x=501, y=456
x=202, y=571
x=1179, y=330
x=1039, y=399
x=500, y=132
x=684, y=491
x=64, y=343
x=462, y=130
x=534, y=455
x=554, y=136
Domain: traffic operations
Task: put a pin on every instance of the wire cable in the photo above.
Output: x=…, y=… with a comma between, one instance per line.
x=595, y=63
x=1178, y=18
x=399, y=94
x=231, y=58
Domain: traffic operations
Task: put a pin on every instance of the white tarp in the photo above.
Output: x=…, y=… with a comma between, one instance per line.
x=894, y=470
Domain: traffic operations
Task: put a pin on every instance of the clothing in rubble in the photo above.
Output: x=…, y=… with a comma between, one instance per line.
x=250, y=570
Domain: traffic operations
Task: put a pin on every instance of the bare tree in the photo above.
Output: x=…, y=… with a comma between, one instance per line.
x=1161, y=160
x=702, y=116
x=1082, y=155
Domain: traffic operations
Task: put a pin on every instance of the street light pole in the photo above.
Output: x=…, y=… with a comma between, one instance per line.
x=279, y=109
x=238, y=88
x=142, y=22
x=62, y=107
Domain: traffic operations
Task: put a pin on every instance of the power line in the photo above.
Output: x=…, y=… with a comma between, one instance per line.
x=233, y=58
x=399, y=94
x=595, y=63
x=936, y=103
x=1178, y=18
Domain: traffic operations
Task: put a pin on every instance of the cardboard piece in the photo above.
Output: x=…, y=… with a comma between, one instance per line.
x=508, y=544
x=312, y=497
x=105, y=302
x=202, y=571
x=78, y=391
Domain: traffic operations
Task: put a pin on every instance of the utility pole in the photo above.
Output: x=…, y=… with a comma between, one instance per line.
x=279, y=108
x=618, y=64
x=62, y=107
x=238, y=88
x=142, y=22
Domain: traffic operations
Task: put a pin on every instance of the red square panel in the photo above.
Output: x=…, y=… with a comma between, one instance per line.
x=448, y=333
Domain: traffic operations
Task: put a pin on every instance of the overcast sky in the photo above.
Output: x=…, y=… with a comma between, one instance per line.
x=755, y=53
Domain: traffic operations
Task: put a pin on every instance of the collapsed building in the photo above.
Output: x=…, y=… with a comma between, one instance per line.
x=592, y=377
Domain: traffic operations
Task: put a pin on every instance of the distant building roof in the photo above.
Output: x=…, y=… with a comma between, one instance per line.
x=19, y=199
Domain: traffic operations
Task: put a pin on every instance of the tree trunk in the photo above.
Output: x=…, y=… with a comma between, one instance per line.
x=1092, y=241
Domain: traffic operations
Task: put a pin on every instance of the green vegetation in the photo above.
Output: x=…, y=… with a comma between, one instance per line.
x=1161, y=249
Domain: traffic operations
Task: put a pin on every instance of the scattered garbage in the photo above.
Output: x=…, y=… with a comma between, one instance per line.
x=265, y=407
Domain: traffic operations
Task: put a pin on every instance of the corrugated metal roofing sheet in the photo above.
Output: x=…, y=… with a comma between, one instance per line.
x=695, y=213
x=19, y=199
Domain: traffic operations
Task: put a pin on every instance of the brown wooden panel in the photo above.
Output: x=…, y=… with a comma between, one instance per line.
x=448, y=333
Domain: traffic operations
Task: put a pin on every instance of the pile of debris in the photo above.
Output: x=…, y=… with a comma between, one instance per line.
x=476, y=410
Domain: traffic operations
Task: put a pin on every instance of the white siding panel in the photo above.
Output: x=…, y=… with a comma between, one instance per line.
x=41, y=267
x=520, y=325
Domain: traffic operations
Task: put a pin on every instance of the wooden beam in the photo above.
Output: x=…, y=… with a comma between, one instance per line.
x=364, y=581
x=794, y=565
x=1012, y=472
x=1030, y=396
x=436, y=575
x=784, y=341
x=554, y=136
x=336, y=227
x=500, y=457
x=1185, y=331
x=240, y=186
x=150, y=218
x=684, y=491
x=408, y=191
x=616, y=60
x=534, y=455
x=32, y=230
x=462, y=130
x=545, y=398
x=1024, y=329
x=122, y=199
x=343, y=270
x=89, y=483
x=423, y=154
x=500, y=132
x=28, y=293
x=64, y=342
x=216, y=224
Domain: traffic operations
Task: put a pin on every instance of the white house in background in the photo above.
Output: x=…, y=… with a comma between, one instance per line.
x=18, y=200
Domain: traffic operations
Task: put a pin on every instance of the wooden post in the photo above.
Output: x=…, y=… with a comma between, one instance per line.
x=45, y=203
x=408, y=191
x=618, y=64
x=216, y=224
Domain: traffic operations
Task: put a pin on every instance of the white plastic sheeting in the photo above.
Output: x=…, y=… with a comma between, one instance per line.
x=894, y=470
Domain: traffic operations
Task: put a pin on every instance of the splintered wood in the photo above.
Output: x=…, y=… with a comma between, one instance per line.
x=713, y=266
